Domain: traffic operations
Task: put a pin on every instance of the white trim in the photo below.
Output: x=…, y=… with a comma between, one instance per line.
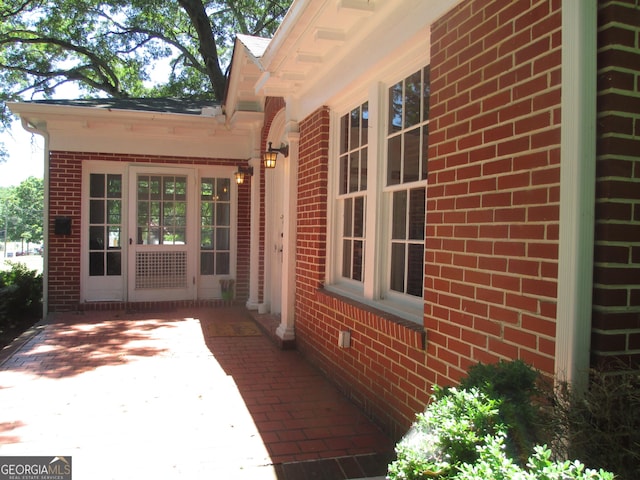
x=577, y=191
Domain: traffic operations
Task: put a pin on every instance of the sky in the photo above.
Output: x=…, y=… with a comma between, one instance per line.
x=26, y=156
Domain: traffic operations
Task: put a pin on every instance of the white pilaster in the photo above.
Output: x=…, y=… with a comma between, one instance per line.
x=254, y=239
x=286, y=330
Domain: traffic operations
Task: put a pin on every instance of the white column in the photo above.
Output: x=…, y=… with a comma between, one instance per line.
x=577, y=191
x=285, y=330
x=254, y=239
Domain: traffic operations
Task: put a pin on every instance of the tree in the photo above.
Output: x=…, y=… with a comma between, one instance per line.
x=111, y=47
x=22, y=210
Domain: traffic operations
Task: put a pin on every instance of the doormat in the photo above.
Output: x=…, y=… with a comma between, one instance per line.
x=231, y=329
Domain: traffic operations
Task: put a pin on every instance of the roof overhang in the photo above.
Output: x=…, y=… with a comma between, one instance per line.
x=322, y=46
x=74, y=128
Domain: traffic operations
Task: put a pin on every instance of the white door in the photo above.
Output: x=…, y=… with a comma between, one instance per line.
x=275, y=236
x=162, y=234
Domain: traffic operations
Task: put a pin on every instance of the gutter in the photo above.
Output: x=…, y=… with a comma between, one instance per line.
x=45, y=210
x=577, y=192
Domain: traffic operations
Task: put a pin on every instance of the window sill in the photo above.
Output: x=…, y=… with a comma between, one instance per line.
x=403, y=327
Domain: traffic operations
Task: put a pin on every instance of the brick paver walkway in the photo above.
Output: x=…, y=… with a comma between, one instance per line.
x=147, y=395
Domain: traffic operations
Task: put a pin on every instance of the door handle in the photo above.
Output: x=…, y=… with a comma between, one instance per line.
x=130, y=241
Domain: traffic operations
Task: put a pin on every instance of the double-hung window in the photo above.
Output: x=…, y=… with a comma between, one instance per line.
x=381, y=179
x=353, y=189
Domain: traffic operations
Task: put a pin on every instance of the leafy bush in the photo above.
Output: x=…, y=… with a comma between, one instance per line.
x=446, y=434
x=516, y=384
x=464, y=433
x=20, y=295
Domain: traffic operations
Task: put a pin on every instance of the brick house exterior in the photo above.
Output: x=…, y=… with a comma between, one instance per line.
x=523, y=199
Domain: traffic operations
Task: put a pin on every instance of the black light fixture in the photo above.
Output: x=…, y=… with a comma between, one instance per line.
x=269, y=157
x=242, y=171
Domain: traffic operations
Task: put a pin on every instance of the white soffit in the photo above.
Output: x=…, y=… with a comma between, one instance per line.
x=328, y=43
x=87, y=129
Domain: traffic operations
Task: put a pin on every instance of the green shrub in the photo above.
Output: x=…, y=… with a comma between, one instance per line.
x=464, y=433
x=446, y=434
x=516, y=384
x=20, y=294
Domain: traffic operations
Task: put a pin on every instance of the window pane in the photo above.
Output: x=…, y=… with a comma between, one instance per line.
x=394, y=160
x=411, y=168
x=96, y=185
x=206, y=189
x=364, y=124
x=114, y=186
x=412, y=99
x=222, y=239
x=206, y=211
x=363, y=169
x=96, y=264
x=344, y=133
x=154, y=187
x=114, y=211
x=96, y=211
x=206, y=263
x=222, y=263
x=223, y=189
x=399, y=218
x=181, y=188
x=354, y=131
x=143, y=187
x=113, y=236
x=206, y=239
x=358, y=217
x=395, y=108
x=114, y=263
x=344, y=173
x=348, y=217
x=396, y=281
x=417, y=213
x=96, y=238
x=346, y=258
x=223, y=214
x=415, y=274
x=354, y=171
x=358, y=248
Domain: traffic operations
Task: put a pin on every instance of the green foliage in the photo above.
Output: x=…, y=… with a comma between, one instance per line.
x=446, y=434
x=20, y=295
x=464, y=433
x=515, y=384
x=112, y=47
x=22, y=210
x=494, y=464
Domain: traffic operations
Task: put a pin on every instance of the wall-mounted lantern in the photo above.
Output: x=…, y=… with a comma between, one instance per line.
x=242, y=171
x=269, y=157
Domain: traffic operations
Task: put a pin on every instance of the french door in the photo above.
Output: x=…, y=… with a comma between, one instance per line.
x=155, y=233
x=162, y=234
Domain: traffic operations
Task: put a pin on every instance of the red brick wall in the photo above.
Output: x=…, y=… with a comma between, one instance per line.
x=493, y=195
x=65, y=200
x=492, y=219
x=616, y=309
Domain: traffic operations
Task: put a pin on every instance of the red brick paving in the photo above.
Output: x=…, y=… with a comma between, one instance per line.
x=163, y=399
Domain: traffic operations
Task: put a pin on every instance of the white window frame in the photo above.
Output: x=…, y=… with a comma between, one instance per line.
x=374, y=289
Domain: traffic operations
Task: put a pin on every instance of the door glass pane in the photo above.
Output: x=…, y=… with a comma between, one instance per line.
x=162, y=210
x=215, y=226
x=96, y=211
x=105, y=224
